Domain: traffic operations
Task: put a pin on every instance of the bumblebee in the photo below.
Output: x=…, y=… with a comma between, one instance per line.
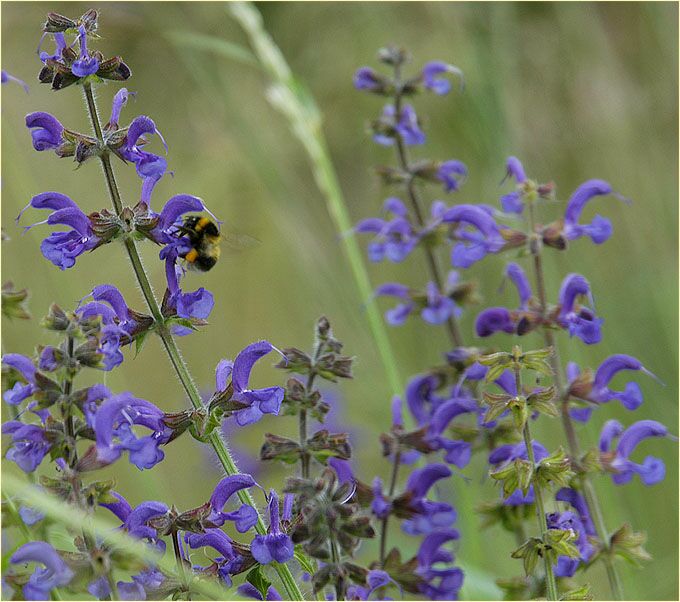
x=204, y=236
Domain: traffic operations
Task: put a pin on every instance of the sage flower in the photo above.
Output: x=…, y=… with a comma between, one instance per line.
x=42, y=581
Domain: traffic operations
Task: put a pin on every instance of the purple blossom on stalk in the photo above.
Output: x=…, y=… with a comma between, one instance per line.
x=513, y=201
x=406, y=126
x=564, y=521
x=600, y=228
x=376, y=579
x=60, y=46
x=114, y=421
x=276, y=545
x=438, y=307
x=250, y=591
x=146, y=580
x=578, y=503
x=120, y=99
x=86, y=64
x=150, y=167
x=500, y=319
x=42, y=581
x=451, y=173
x=440, y=85
x=30, y=516
x=29, y=444
x=63, y=248
x=197, y=304
x=259, y=401
x=505, y=454
x=596, y=388
x=394, y=238
x=246, y=516
x=651, y=471
x=136, y=521
x=579, y=321
x=439, y=583
x=20, y=391
x=121, y=509
x=366, y=78
x=484, y=238
x=6, y=77
x=46, y=130
x=229, y=562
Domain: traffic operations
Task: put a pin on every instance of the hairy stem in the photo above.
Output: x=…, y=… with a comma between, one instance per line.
x=435, y=272
x=551, y=583
x=178, y=558
x=171, y=348
x=568, y=425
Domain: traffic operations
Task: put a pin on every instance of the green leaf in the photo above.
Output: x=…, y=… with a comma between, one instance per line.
x=303, y=559
x=582, y=593
x=259, y=581
x=139, y=342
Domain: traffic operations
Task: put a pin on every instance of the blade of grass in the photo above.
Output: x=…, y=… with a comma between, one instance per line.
x=289, y=97
x=65, y=514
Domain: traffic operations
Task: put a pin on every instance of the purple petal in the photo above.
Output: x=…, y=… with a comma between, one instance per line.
x=521, y=282
x=494, y=319
x=610, y=431
x=244, y=362
x=422, y=479
x=636, y=433
x=227, y=487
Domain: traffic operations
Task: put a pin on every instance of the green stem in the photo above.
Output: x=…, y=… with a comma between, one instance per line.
x=588, y=490
x=551, y=583
x=383, y=527
x=172, y=350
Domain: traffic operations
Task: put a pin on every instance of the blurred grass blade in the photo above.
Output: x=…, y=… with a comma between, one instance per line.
x=199, y=41
x=289, y=97
x=71, y=517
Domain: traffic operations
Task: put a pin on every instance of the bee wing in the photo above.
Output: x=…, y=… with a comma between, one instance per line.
x=237, y=241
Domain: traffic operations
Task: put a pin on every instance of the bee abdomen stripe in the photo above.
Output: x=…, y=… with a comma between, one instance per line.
x=201, y=223
x=191, y=256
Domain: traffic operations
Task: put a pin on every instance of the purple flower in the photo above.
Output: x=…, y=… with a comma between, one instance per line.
x=380, y=505
x=26, y=368
x=578, y=320
x=250, y=591
x=147, y=580
x=121, y=509
x=6, y=77
x=422, y=398
x=120, y=99
x=62, y=248
x=565, y=521
x=513, y=202
x=246, y=516
x=60, y=46
x=29, y=444
x=118, y=322
x=30, y=516
x=451, y=173
x=366, y=78
x=100, y=588
x=651, y=471
x=214, y=538
x=422, y=479
x=485, y=237
x=376, y=579
x=197, y=304
x=406, y=127
x=45, y=129
x=86, y=64
x=509, y=453
x=260, y=401
x=600, y=229
x=114, y=420
x=596, y=388
x=43, y=580
x=395, y=238
x=494, y=319
x=136, y=521
x=150, y=167
x=576, y=500
x=518, y=277
x=439, y=583
x=440, y=85
x=276, y=545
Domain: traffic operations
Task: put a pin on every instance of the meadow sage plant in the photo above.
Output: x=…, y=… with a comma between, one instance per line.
x=311, y=538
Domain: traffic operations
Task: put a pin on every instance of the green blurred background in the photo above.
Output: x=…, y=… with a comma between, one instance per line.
x=576, y=90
